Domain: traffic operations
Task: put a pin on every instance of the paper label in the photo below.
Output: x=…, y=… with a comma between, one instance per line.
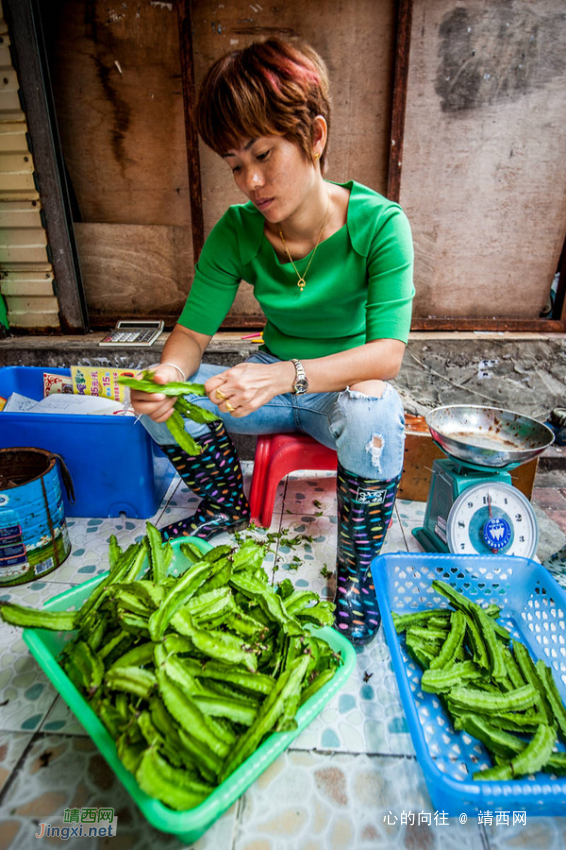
x=371, y=497
x=100, y=381
x=53, y=383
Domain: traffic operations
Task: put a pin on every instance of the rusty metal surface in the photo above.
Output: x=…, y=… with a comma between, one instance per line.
x=488, y=436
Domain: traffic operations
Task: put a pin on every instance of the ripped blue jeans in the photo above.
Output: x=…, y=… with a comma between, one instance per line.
x=367, y=432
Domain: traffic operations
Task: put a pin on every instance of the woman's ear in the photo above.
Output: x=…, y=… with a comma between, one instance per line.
x=319, y=135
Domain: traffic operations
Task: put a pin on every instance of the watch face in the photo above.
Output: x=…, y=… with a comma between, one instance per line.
x=301, y=383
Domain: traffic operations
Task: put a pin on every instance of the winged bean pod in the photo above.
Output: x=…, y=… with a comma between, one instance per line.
x=497, y=741
x=188, y=715
x=321, y=614
x=160, y=554
x=169, y=784
x=494, y=648
x=298, y=600
x=453, y=642
x=476, y=643
x=130, y=752
x=213, y=687
x=420, y=654
x=114, y=647
x=87, y=663
x=556, y=764
x=536, y=753
x=111, y=718
x=255, y=682
x=132, y=680
x=554, y=698
x=209, y=763
x=435, y=680
x=246, y=626
x=417, y=618
x=270, y=602
x=179, y=673
x=193, y=411
x=516, y=722
x=530, y=674
x=176, y=426
x=98, y=595
x=316, y=685
x=219, y=645
x=96, y=635
x=431, y=634
x=233, y=709
x=146, y=384
x=249, y=556
x=267, y=716
x=491, y=703
x=179, y=595
x=513, y=671
x=498, y=773
x=131, y=599
x=30, y=618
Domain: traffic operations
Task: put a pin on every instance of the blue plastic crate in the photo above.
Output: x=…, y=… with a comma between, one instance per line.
x=533, y=609
x=115, y=465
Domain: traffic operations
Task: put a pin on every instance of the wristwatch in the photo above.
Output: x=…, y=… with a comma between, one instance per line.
x=301, y=384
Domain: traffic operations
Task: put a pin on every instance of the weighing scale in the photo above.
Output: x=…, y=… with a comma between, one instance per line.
x=472, y=506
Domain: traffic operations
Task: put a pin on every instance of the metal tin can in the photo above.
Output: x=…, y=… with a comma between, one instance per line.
x=34, y=539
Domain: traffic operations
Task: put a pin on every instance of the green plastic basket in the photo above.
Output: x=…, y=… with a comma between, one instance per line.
x=189, y=825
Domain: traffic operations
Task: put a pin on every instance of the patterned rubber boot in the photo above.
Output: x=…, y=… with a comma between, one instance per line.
x=216, y=476
x=365, y=507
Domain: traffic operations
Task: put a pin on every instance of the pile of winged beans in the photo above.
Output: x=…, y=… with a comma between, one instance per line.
x=189, y=674
x=489, y=688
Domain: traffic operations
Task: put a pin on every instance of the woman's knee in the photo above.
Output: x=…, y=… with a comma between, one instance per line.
x=369, y=430
x=374, y=389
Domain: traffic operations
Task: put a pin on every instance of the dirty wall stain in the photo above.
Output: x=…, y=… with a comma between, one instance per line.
x=108, y=73
x=489, y=55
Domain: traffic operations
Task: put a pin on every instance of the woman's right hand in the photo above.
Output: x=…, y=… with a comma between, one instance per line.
x=157, y=406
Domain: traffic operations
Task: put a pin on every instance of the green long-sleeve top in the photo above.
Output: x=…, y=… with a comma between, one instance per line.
x=359, y=286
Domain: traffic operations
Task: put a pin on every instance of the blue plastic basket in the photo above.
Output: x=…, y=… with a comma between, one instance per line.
x=533, y=609
x=115, y=465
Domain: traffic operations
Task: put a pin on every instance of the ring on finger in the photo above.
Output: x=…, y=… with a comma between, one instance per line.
x=220, y=395
x=229, y=407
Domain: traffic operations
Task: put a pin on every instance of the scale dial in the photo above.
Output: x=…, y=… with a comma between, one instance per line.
x=492, y=519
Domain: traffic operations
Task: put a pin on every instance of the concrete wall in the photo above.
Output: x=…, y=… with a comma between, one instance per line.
x=523, y=373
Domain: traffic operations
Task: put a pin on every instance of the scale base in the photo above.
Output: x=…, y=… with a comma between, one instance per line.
x=429, y=542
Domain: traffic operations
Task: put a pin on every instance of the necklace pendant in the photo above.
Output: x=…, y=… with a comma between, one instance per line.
x=301, y=283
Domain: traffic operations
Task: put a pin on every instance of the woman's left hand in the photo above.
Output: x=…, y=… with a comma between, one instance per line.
x=246, y=387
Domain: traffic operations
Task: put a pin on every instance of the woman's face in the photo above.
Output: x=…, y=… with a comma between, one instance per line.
x=273, y=173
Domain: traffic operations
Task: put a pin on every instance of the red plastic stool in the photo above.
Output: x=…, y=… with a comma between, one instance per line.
x=275, y=456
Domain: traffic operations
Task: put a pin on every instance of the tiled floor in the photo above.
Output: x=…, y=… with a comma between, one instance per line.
x=350, y=780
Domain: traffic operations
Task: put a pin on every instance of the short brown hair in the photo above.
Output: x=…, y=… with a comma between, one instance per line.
x=272, y=87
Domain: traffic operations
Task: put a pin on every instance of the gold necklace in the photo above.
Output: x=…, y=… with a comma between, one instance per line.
x=301, y=283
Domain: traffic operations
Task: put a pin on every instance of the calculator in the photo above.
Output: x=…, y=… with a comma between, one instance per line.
x=133, y=333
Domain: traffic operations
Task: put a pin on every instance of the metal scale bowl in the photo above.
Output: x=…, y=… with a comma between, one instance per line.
x=472, y=506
